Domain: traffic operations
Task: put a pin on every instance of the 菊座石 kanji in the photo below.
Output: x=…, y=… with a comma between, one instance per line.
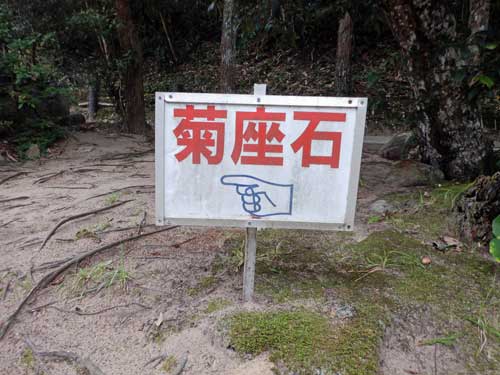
x=310, y=134
x=204, y=136
x=255, y=132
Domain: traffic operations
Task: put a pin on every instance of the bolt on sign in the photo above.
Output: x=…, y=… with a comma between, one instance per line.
x=258, y=160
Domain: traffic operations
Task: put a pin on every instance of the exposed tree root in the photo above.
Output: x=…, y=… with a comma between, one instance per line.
x=155, y=361
x=47, y=279
x=45, y=178
x=14, y=199
x=8, y=222
x=84, y=363
x=121, y=189
x=78, y=311
x=11, y=177
x=78, y=216
x=127, y=155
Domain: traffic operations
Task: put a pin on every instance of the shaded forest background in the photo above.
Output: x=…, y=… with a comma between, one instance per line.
x=61, y=53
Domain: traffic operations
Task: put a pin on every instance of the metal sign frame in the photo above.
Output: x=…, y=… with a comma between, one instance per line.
x=163, y=99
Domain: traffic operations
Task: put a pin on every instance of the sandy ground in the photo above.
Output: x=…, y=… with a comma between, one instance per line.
x=165, y=268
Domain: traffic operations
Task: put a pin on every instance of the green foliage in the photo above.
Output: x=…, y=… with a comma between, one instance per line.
x=449, y=340
x=374, y=219
x=495, y=242
x=484, y=80
x=101, y=275
x=112, y=199
x=496, y=227
x=30, y=86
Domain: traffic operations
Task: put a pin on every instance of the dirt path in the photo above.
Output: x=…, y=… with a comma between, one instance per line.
x=162, y=295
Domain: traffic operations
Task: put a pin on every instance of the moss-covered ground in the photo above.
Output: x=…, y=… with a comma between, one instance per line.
x=311, y=275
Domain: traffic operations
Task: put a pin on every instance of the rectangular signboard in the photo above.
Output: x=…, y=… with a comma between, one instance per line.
x=258, y=161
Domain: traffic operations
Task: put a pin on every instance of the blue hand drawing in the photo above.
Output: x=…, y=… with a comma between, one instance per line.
x=261, y=198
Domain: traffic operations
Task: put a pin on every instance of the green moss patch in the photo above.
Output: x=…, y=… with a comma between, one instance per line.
x=426, y=212
x=380, y=277
x=217, y=305
x=169, y=364
x=28, y=359
x=204, y=284
x=306, y=341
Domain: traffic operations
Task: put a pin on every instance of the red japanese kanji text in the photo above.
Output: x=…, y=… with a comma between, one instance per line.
x=202, y=137
x=254, y=138
x=310, y=134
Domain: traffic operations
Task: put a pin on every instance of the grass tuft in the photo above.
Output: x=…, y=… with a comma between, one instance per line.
x=217, y=305
x=28, y=359
x=169, y=364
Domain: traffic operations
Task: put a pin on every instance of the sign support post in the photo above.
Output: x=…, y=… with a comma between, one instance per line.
x=249, y=267
x=251, y=236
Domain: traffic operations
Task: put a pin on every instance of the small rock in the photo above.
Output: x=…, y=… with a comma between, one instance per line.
x=399, y=146
x=381, y=207
x=159, y=321
x=33, y=152
x=426, y=260
x=75, y=119
x=409, y=173
x=345, y=312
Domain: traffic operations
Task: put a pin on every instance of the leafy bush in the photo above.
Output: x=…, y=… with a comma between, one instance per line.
x=32, y=105
x=495, y=242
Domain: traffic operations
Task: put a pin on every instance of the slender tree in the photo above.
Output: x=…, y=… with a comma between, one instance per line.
x=130, y=44
x=436, y=54
x=343, y=82
x=274, y=6
x=228, y=48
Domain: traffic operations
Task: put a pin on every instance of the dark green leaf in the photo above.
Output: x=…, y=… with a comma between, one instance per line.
x=495, y=249
x=496, y=227
x=486, y=81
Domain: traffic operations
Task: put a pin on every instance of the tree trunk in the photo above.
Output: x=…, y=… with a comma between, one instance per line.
x=476, y=208
x=130, y=44
x=344, y=51
x=448, y=123
x=274, y=6
x=228, y=48
x=93, y=100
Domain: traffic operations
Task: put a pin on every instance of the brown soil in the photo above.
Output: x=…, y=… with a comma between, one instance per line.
x=171, y=272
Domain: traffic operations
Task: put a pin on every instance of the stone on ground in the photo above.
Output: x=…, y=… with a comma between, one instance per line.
x=399, y=146
x=381, y=206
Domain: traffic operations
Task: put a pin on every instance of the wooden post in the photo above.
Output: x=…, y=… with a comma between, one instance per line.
x=249, y=267
x=251, y=237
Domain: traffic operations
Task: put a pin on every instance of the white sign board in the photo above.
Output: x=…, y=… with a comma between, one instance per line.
x=258, y=161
